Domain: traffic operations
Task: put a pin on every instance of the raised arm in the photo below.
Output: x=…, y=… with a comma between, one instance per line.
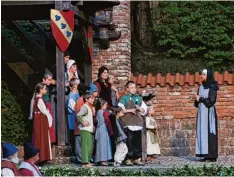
x=196, y=102
x=211, y=100
x=32, y=107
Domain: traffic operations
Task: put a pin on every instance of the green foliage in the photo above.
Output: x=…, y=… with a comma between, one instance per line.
x=196, y=31
x=28, y=27
x=148, y=62
x=12, y=119
x=184, y=171
x=11, y=35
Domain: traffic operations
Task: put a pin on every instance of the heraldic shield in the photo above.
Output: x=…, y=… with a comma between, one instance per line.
x=62, y=25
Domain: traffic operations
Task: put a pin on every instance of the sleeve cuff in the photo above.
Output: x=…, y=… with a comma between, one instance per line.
x=201, y=99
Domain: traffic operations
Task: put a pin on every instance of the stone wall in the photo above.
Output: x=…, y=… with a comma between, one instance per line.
x=118, y=57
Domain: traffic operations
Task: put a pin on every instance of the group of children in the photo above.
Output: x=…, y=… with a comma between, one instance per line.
x=103, y=133
x=99, y=130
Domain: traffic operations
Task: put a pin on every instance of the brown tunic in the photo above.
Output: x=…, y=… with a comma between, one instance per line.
x=130, y=119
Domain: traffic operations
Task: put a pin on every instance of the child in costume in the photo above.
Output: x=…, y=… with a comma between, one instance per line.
x=151, y=136
x=134, y=108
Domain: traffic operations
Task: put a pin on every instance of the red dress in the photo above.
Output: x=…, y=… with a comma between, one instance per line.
x=41, y=133
x=52, y=128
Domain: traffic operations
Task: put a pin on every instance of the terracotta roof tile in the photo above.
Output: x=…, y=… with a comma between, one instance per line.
x=187, y=76
x=220, y=79
x=230, y=78
x=172, y=81
x=197, y=78
x=216, y=75
x=179, y=79
x=149, y=79
x=158, y=78
x=191, y=79
x=162, y=81
x=225, y=76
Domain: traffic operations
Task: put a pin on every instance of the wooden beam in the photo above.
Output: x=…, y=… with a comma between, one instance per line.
x=26, y=12
x=81, y=16
x=112, y=35
x=24, y=3
x=87, y=61
x=88, y=72
x=60, y=86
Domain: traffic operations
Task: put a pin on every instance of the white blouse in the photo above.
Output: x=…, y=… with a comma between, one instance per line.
x=42, y=107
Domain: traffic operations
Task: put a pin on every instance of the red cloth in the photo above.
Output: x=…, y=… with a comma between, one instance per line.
x=27, y=172
x=52, y=128
x=108, y=123
x=101, y=95
x=98, y=86
x=40, y=132
x=10, y=165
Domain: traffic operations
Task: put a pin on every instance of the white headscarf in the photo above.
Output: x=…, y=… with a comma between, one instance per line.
x=69, y=64
x=204, y=71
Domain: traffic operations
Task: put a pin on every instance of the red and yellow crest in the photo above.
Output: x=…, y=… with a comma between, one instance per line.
x=62, y=25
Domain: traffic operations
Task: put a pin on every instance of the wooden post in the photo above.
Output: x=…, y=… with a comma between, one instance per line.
x=143, y=137
x=60, y=84
x=60, y=96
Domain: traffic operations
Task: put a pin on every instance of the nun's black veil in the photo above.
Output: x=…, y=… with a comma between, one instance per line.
x=210, y=81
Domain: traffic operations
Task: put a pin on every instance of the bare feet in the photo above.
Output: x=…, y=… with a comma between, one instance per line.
x=89, y=165
x=104, y=164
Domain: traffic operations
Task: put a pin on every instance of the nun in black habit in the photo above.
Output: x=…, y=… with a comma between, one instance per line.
x=207, y=122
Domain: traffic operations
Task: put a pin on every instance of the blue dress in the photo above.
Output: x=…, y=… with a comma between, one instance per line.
x=71, y=116
x=103, y=142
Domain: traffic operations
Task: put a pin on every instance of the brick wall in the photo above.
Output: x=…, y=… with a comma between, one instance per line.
x=176, y=117
x=118, y=57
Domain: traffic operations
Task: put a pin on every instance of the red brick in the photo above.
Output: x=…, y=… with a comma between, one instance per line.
x=223, y=143
x=232, y=142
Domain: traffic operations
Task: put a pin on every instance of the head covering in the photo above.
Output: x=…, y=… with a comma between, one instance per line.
x=8, y=149
x=93, y=88
x=69, y=64
x=101, y=70
x=29, y=150
x=204, y=71
x=210, y=81
x=66, y=54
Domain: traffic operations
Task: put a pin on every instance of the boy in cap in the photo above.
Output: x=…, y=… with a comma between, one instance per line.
x=9, y=160
x=31, y=156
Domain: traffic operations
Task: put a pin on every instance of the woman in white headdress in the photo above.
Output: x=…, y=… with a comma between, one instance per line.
x=207, y=123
